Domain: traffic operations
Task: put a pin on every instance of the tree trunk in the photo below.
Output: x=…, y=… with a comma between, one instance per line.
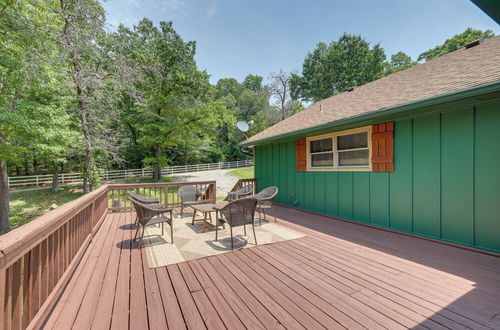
x=85, y=186
x=26, y=166
x=18, y=170
x=4, y=198
x=82, y=103
x=157, y=168
x=55, y=183
x=35, y=166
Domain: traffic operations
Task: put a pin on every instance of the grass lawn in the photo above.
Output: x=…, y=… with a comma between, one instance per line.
x=243, y=173
x=28, y=205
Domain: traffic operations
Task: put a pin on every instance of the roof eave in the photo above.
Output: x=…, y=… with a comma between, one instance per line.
x=447, y=97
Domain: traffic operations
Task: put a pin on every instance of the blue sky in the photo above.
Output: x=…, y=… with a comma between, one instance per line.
x=238, y=37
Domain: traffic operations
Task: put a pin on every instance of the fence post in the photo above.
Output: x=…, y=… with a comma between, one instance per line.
x=143, y=171
x=37, y=180
x=125, y=173
x=62, y=178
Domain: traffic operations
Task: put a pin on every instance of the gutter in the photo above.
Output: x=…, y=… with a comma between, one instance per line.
x=447, y=97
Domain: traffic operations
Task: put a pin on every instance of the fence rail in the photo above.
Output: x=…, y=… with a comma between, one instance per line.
x=110, y=175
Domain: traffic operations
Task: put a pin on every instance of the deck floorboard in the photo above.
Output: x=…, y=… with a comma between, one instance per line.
x=341, y=275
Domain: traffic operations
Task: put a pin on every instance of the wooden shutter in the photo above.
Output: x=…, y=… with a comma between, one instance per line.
x=300, y=155
x=383, y=147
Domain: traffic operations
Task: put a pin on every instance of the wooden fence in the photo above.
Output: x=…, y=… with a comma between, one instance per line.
x=38, y=259
x=110, y=175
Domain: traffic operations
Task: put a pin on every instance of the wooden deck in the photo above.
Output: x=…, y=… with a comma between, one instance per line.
x=341, y=275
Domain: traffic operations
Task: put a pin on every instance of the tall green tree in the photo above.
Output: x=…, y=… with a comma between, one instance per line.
x=28, y=81
x=173, y=97
x=247, y=101
x=399, y=61
x=335, y=67
x=83, y=48
x=454, y=43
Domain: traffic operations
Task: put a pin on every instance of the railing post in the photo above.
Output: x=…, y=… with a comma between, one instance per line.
x=166, y=196
x=3, y=296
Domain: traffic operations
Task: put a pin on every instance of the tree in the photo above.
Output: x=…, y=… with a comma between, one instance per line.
x=456, y=42
x=28, y=85
x=280, y=96
x=399, y=61
x=82, y=45
x=333, y=68
x=173, y=99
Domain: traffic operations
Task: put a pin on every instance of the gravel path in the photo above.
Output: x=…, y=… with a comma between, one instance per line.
x=225, y=181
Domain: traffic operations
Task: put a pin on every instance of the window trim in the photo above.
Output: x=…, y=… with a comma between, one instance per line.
x=335, y=152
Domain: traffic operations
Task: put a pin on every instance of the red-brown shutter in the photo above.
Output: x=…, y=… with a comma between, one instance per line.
x=300, y=155
x=383, y=147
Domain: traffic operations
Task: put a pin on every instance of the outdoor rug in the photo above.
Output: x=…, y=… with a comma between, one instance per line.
x=191, y=243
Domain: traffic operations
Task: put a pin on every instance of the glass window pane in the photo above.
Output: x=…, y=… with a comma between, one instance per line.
x=354, y=158
x=321, y=145
x=322, y=160
x=352, y=141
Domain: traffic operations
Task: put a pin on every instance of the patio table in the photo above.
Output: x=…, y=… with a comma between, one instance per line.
x=206, y=210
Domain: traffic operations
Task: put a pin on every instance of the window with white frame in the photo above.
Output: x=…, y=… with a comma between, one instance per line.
x=342, y=150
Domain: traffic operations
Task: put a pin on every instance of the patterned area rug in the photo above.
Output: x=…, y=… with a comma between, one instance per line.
x=190, y=242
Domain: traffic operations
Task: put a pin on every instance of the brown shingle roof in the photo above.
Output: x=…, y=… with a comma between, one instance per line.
x=461, y=69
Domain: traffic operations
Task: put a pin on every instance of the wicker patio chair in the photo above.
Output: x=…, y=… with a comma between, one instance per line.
x=151, y=215
x=242, y=192
x=265, y=200
x=143, y=199
x=237, y=213
x=189, y=195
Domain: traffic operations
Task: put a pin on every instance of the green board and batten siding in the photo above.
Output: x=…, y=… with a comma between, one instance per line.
x=446, y=183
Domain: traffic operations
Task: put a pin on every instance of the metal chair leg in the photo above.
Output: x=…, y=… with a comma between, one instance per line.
x=142, y=237
x=172, y=231
x=137, y=231
x=162, y=228
x=245, y=229
x=254, y=236
x=232, y=244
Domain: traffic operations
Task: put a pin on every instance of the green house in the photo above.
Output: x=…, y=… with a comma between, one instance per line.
x=416, y=152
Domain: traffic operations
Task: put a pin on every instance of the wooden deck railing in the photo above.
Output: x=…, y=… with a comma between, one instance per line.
x=38, y=259
x=165, y=192
x=242, y=183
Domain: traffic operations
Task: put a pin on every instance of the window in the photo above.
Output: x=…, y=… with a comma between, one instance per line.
x=342, y=150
